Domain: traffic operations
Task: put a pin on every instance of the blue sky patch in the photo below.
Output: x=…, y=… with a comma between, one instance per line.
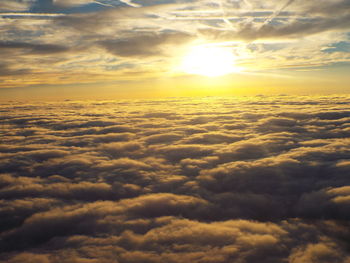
x=342, y=46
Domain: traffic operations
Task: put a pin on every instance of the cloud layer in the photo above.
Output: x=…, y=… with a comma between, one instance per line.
x=261, y=179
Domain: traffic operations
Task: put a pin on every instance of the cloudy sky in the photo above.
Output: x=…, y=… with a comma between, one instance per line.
x=121, y=142
x=137, y=48
x=210, y=180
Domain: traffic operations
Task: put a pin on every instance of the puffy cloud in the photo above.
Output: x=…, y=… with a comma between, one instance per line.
x=331, y=203
x=116, y=149
x=212, y=138
x=317, y=253
x=179, y=152
x=220, y=180
x=162, y=138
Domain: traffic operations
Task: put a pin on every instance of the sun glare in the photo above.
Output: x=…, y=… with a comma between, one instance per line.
x=210, y=61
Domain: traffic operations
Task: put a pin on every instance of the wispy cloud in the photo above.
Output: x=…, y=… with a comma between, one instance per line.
x=18, y=15
x=114, y=34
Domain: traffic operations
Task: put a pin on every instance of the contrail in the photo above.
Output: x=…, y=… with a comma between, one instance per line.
x=247, y=3
x=224, y=15
x=276, y=13
x=286, y=5
x=104, y=4
x=130, y=3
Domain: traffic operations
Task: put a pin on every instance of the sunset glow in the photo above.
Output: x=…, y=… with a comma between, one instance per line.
x=174, y=131
x=209, y=61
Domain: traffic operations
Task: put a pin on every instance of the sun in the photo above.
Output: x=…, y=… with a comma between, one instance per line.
x=210, y=61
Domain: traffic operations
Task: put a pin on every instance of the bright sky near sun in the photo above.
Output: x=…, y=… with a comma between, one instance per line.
x=209, y=61
x=142, y=48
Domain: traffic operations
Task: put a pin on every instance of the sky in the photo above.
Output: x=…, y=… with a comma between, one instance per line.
x=141, y=49
x=173, y=131
x=203, y=180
